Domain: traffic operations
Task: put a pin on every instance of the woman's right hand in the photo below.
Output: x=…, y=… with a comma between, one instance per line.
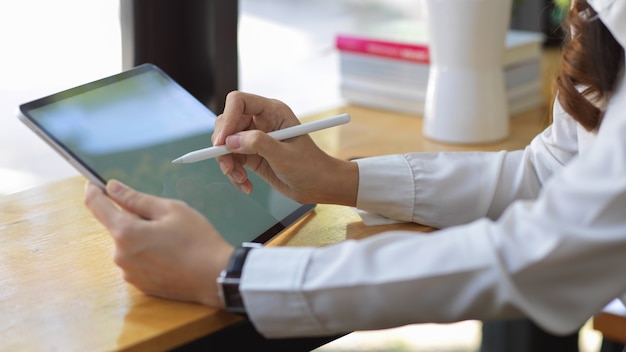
x=295, y=167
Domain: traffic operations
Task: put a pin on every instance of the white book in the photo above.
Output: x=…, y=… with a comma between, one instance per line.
x=514, y=76
x=354, y=65
x=520, y=99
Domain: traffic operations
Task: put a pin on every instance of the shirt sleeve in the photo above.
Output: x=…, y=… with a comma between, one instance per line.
x=452, y=188
x=557, y=259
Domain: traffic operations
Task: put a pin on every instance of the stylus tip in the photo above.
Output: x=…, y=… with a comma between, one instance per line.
x=177, y=161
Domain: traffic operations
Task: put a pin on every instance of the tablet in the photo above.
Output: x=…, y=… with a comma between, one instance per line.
x=130, y=127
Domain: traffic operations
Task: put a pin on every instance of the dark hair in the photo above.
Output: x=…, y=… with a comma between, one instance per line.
x=591, y=63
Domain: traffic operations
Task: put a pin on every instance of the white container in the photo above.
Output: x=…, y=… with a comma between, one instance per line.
x=466, y=99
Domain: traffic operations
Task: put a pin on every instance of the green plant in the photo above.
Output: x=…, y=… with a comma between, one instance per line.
x=562, y=4
x=560, y=10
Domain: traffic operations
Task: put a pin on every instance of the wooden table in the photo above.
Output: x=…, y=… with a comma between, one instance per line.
x=59, y=289
x=612, y=326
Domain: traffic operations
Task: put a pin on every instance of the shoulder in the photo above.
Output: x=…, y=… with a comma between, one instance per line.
x=562, y=134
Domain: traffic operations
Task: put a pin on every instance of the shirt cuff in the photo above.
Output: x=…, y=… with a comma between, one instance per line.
x=271, y=287
x=386, y=187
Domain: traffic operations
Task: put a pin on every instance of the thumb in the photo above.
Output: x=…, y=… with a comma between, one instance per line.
x=140, y=204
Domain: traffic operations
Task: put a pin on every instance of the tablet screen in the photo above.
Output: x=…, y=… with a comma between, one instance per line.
x=131, y=126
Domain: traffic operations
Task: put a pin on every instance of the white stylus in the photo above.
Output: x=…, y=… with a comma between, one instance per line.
x=286, y=133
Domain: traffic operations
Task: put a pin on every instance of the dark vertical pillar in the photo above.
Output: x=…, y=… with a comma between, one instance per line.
x=194, y=41
x=539, y=16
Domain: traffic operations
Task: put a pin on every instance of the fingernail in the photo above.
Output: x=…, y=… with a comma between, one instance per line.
x=237, y=175
x=222, y=167
x=245, y=188
x=233, y=141
x=115, y=188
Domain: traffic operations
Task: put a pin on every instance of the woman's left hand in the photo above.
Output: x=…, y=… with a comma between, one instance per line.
x=164, y=247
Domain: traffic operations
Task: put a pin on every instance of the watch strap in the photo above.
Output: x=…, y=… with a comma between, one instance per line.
x=238, y=258
x=228, y=282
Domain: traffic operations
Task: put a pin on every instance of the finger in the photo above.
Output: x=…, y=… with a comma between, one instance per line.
x=141, y=204
x=217, y=121
x=226, y=163
x=101, y=206
x=240, y=103
x=238, y=111
x=239, y=178
x=244, y=111
x=232, y=166
x=260, y=143
x=218, y=137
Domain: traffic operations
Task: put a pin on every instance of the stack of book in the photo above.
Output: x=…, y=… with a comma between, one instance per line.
x=387, y=67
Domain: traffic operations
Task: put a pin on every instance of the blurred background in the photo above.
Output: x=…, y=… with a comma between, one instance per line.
x=285, y=51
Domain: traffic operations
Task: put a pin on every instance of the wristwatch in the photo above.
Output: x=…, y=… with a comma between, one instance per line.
x=229, y=279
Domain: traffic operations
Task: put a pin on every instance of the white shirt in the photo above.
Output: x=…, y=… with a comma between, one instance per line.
x=539, y=232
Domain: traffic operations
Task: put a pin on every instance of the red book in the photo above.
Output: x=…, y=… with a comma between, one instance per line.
x=407, y=40
x=389, y=49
